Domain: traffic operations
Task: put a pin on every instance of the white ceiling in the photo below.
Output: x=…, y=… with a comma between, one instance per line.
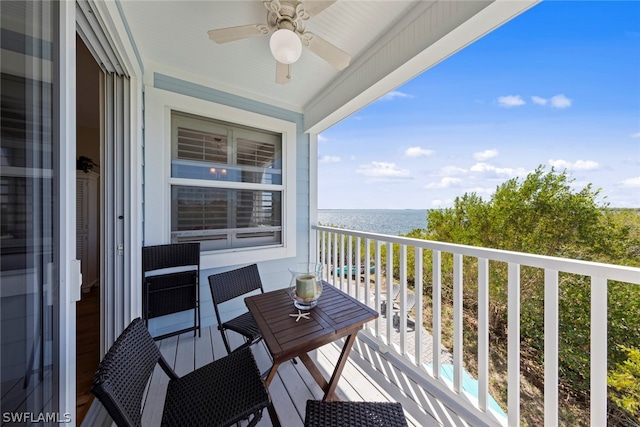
x=171, y=37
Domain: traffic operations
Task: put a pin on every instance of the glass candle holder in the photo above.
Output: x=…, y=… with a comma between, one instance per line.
x=306, y=285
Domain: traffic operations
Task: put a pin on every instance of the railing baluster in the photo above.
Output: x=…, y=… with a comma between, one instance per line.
x=417, y=256
x=389, y=286
x=341, y=261
x=513, y=310
x=483, y=333
x=436, y=308
x=367, y=272
x=357, y=269
x=550, y=348
x=599, y=300
x=349, y=264
x=323, y=253
x=458, y=351
x=335, y=260
x=378, y=280
x=402, y=313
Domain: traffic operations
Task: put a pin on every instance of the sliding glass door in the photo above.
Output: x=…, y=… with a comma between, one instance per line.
x=29, y=211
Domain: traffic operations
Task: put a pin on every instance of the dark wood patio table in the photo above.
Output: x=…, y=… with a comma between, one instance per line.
x=337, y=315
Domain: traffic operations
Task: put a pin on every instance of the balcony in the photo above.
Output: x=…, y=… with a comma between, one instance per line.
x=397, y=358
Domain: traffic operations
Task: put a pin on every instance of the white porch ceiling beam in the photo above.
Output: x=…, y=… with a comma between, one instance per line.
x=425, y=36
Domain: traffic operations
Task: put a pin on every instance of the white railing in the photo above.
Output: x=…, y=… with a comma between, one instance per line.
x=338, y=260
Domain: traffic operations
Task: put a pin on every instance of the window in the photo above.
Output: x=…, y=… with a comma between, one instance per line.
x=226, y=184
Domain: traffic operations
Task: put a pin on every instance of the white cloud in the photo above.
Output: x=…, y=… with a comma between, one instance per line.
x=578, y=165
x=635, y=135
x=383, y=171
x=510, y=101
x=446, y=182
x=452, y=170
x=561, y=101
x=418, y=152
x=485, y=155
x=539, y=100
x=330, y=159
x=395, y=94
x=492, y=170
x=322, y=139
x=631, y=182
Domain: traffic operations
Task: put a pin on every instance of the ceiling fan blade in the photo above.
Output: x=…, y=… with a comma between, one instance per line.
x=313, y=7
x=283, y=73
x=325, y=50
x=225, y=35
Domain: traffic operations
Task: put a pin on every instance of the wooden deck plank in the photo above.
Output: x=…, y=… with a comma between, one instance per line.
x=204, y=349
x=296, y=387
x=157, y=390
x=368, y=376
x=185, y=355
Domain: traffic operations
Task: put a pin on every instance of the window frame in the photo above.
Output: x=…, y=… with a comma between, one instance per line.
x=159, y=105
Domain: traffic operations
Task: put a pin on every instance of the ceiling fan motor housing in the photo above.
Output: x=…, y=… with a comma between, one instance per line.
x=289, y=15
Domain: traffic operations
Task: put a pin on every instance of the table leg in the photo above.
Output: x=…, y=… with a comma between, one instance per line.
x=275, y=421
x=314, y=371
x=342, y=361
x=271, y=374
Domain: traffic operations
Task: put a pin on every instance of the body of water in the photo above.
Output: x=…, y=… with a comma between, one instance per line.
x=383, y=221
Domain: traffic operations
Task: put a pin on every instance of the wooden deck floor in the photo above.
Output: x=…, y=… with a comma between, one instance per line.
x=368, y=376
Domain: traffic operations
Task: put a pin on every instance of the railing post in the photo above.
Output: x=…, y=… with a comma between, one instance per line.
x=599, y=300
x=550, y=348
x=513, y=309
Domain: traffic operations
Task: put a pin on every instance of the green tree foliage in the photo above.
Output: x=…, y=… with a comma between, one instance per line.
x=543, y=214
x=624, y=381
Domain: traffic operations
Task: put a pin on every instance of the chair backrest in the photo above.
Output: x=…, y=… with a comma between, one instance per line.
x=231, y=284
x=395, y=291
x=122, y=376
x=411, y=302
x=168, y=256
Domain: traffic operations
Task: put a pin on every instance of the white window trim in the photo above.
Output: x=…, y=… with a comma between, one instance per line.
x=158, y=107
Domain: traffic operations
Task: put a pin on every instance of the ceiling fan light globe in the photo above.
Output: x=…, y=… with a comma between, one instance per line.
x=285, y=46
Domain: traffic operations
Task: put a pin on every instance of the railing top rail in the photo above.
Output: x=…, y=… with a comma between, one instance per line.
x=587, y=268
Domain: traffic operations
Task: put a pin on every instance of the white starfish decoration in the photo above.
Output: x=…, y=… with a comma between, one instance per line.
x=301, y=315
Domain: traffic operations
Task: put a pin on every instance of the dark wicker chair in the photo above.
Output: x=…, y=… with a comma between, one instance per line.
x=230, y=285
x=221, y=393
x=354, y=414
x=171, y=292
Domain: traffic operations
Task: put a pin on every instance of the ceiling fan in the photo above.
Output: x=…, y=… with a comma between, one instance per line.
x=287, y=20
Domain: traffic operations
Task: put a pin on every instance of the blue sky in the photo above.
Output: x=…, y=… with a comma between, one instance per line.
x=558, y=85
